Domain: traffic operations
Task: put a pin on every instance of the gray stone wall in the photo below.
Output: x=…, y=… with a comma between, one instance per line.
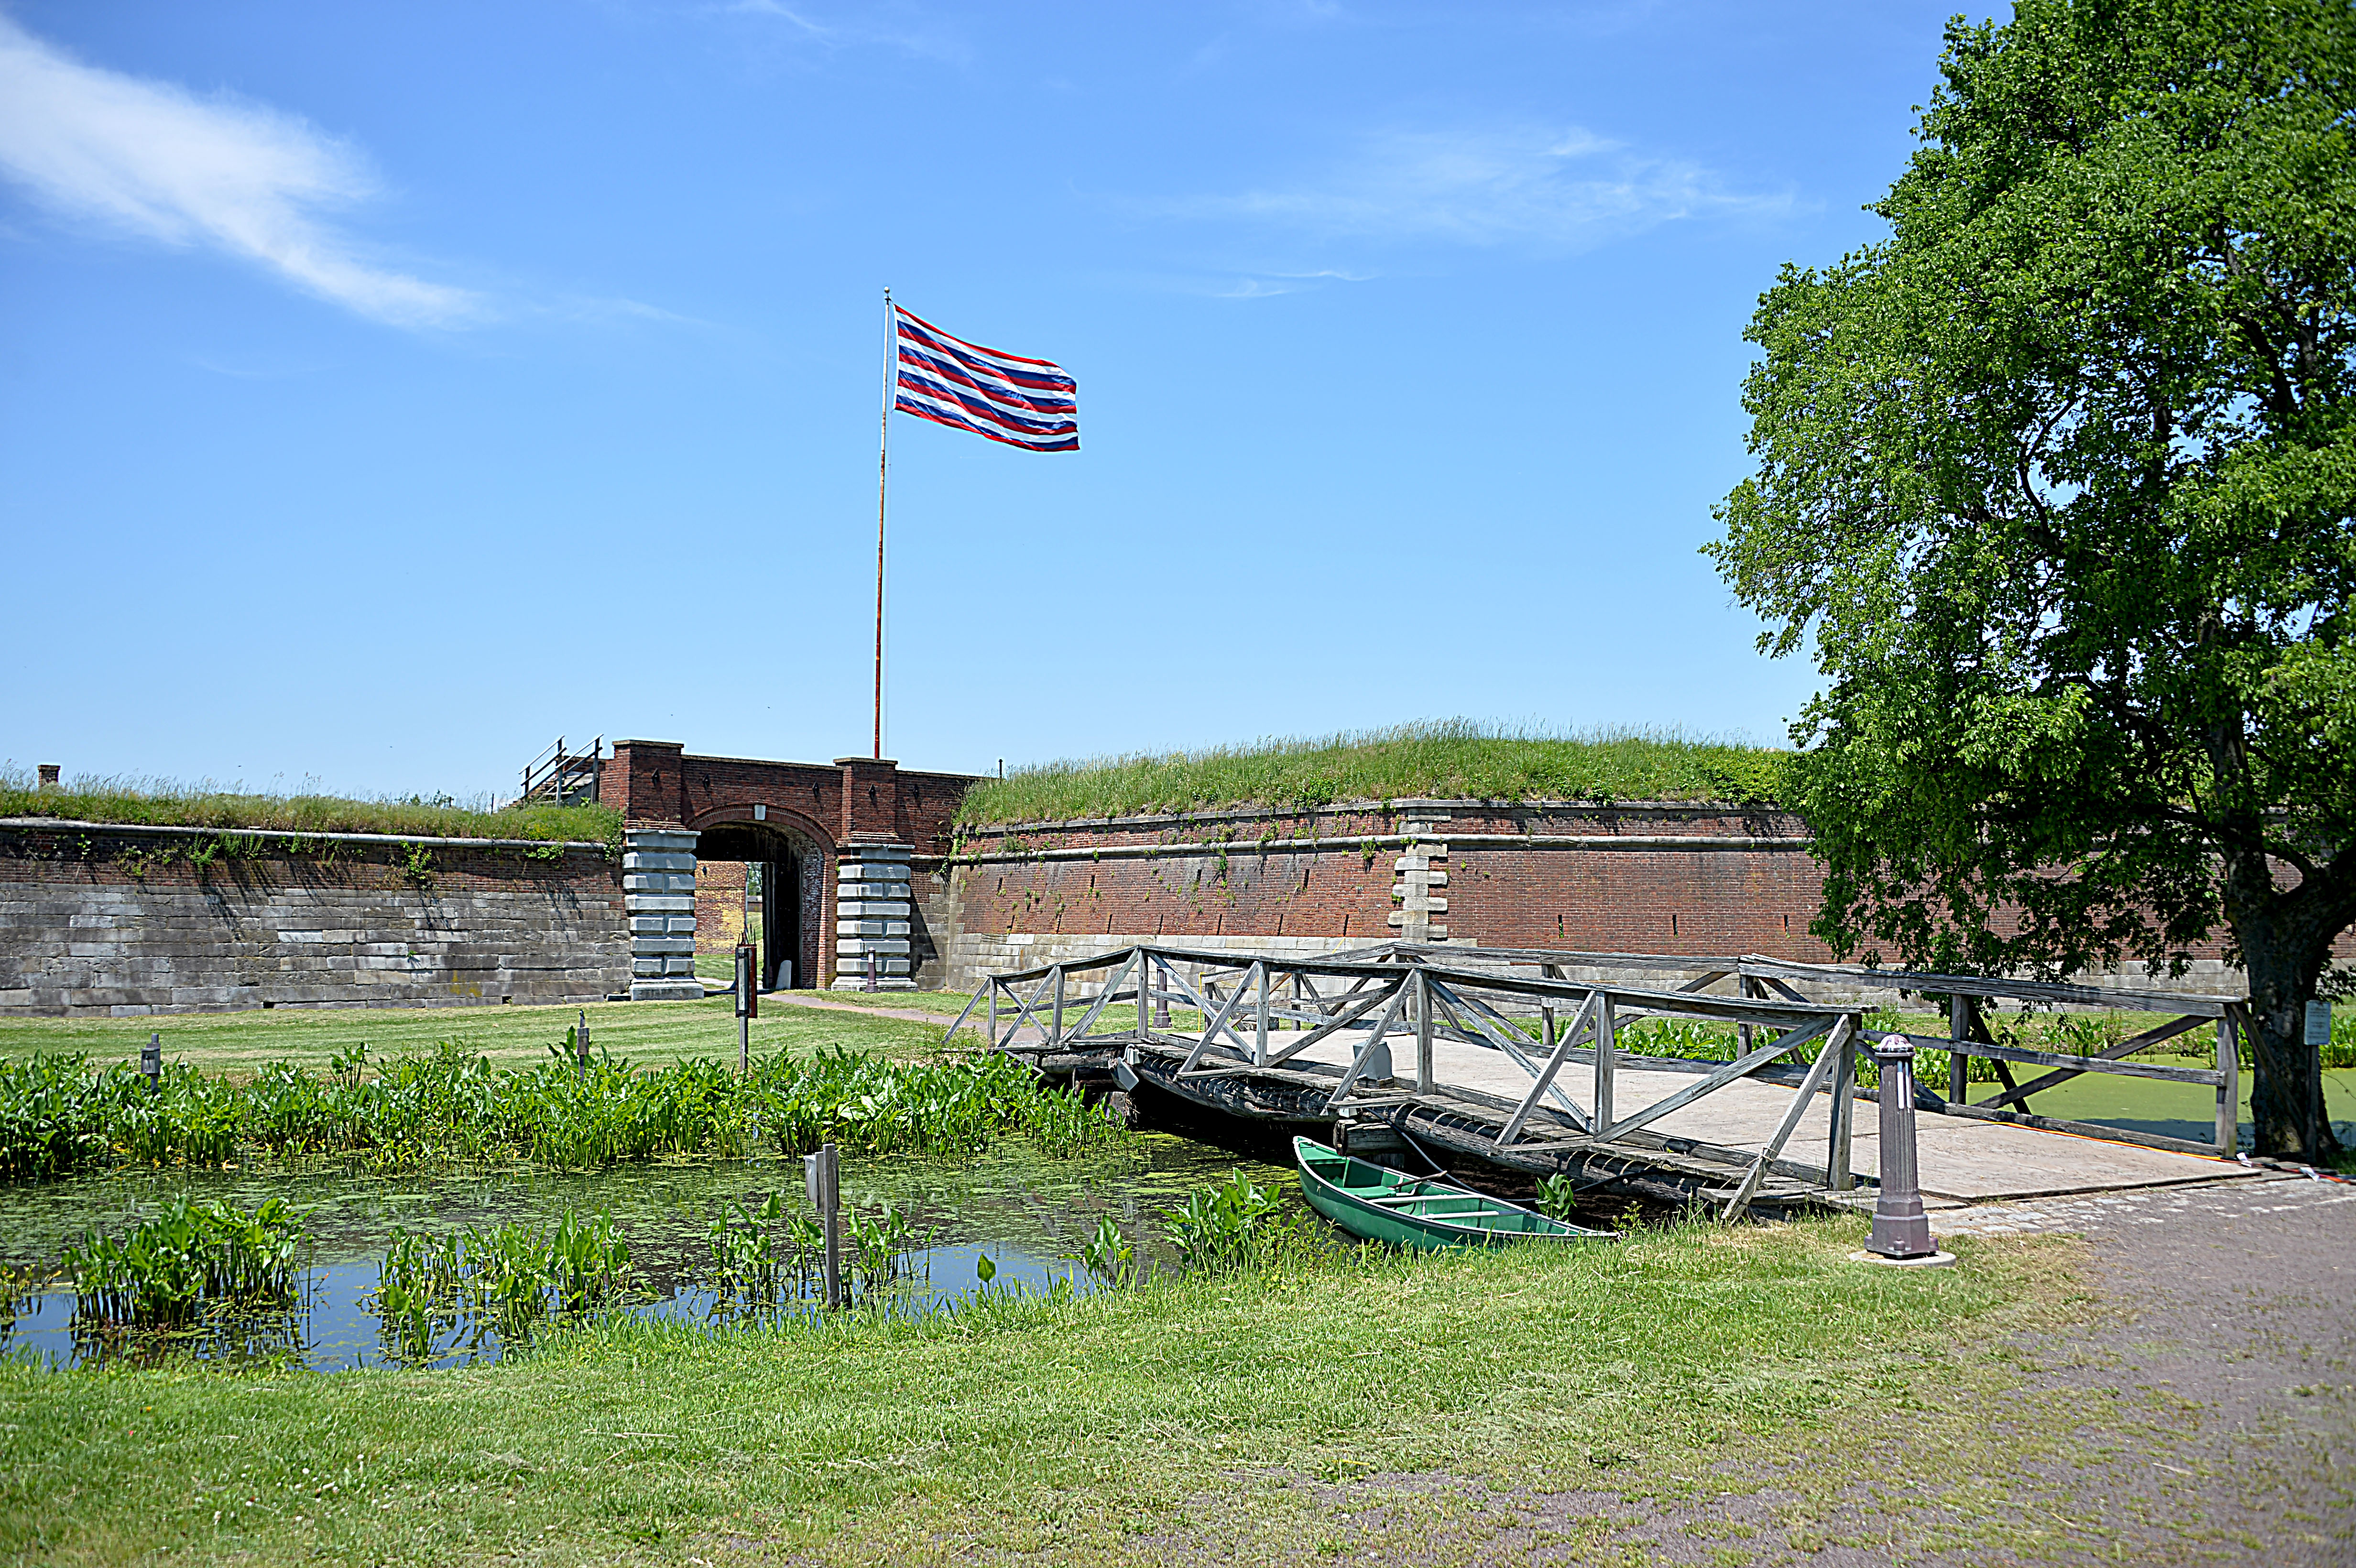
x=103, y=920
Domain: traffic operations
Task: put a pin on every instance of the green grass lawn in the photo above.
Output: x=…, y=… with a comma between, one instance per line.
x=1209, y=1412
x=1452, y=759
x=646, y=1032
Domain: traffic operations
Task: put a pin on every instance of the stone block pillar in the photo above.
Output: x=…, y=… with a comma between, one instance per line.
x=659, y=895
x=872, y=916
x=1419, y=877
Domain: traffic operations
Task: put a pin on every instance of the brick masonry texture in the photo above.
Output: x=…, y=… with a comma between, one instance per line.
x=1705, y=879
x=719, y=905
x=746, y=808
x=123, y=921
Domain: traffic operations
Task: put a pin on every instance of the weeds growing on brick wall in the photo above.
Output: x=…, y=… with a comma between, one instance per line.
x=452, y=1107
x=161, y=804
x=1450, y=759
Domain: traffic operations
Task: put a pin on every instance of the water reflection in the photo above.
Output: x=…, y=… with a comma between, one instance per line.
x=1022, y=1212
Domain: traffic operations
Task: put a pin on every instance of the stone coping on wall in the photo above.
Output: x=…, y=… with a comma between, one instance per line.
x=294, y=835
x=1403, y=807
x=1353, y=843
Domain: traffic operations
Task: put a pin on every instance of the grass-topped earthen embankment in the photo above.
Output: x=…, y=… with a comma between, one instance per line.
x=1450, y=760
x=158, y=804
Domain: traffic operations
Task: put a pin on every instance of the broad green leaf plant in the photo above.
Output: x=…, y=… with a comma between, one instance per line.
x=2059, y=478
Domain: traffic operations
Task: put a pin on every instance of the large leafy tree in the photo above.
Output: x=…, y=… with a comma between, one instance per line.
x=2062, y=476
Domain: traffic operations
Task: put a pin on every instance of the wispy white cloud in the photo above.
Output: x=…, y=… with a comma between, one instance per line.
x=909, y=32
x=1560, y=189
x=1267, y=286
x=151, y=159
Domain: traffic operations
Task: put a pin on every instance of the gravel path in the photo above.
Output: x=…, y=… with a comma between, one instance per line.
x=2203, y=1412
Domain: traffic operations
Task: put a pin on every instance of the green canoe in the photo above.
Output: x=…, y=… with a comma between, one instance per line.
x=1391, y=1206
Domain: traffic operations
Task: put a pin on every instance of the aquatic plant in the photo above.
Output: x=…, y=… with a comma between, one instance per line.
x=745, y=1255
x=190, y=1257
x=450, y=1106
x=877, y=1246
x=1558, y=1196
x=499, y=1279
x=1110, y=1254
x=1224, y=1227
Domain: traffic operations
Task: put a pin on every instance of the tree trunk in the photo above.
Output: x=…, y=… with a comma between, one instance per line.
x=2286, y=1080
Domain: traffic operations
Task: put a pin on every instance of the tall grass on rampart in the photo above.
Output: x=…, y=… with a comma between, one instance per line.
x=161, y=803
x=1447, y=758
x=452, y=1107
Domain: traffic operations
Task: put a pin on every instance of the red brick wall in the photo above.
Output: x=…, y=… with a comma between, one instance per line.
x=1727, y=883
x=720, y=905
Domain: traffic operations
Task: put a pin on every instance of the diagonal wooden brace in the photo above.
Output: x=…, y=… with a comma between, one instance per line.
x=1581, y=1023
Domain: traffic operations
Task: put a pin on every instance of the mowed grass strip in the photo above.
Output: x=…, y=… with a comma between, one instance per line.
x=1088, y=1430
x=646, y=1033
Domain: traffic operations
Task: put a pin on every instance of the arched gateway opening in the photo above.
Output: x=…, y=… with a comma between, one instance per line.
x=782, y=886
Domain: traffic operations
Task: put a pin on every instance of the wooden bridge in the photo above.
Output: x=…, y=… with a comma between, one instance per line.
x=1513, y=1060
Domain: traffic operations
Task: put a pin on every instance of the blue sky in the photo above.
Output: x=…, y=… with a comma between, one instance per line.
x=385, y=390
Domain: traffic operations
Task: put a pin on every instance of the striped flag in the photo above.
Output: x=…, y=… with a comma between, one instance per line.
x=1029, y=403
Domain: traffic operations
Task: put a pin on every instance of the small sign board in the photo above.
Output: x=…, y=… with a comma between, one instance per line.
x=2319, y=1023
x=748, y=991
x=821, y=1178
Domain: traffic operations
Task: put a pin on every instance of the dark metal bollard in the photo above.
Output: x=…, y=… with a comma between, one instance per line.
x=1902, y=1231
x=151, y=1063
x=870, y=971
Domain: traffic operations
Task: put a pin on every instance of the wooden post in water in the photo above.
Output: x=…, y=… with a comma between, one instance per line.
x=822, y=1176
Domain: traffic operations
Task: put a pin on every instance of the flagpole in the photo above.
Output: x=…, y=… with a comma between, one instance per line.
x=882, y=471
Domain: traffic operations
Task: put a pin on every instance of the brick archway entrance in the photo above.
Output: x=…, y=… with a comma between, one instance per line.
x=783, y=888
x=859, y=839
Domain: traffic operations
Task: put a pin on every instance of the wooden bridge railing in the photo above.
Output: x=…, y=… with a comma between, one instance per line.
x=1261, y=1013
x=1475, y=995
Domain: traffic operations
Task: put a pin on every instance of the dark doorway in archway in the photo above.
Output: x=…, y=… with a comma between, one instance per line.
x=785, y=867
x=781, y=922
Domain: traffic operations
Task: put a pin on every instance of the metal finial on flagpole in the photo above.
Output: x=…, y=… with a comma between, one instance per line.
x=882, y=471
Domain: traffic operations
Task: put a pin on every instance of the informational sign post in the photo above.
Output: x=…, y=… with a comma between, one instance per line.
x=748, y=1004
